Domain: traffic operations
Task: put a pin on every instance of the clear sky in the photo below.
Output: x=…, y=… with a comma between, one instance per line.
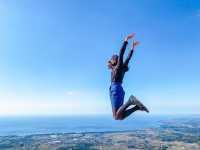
x=53, y=55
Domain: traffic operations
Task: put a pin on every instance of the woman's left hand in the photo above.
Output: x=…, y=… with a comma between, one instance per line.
x=135, y=44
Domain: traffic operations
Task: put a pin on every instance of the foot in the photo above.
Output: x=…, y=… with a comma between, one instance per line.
x=136, y=102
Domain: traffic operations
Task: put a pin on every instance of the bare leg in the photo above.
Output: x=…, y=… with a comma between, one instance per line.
x=130, y=111
x=124, y=113
x=121, y=111
x=123, y=108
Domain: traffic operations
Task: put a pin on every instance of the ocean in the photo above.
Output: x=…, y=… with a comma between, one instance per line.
x=76, y=124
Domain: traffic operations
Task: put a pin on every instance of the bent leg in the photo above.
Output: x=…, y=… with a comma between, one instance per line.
x=128, y=112
x=122, y=112
x=122, y=109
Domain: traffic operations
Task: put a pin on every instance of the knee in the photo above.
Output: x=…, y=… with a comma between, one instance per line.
x=118, y=117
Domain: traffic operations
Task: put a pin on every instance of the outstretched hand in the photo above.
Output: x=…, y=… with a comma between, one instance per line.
x=134, y=44
x=130, y=36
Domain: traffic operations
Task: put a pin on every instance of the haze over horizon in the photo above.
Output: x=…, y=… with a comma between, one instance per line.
x=53, y=55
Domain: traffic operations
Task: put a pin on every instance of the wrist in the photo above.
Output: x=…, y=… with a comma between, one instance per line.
x=126, y=40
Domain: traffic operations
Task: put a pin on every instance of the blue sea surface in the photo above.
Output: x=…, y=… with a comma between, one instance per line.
x=75, y=124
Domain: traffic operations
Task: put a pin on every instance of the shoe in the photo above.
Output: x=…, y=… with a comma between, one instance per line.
x=136, y=102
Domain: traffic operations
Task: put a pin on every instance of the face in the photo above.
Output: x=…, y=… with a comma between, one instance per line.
x=113, y=61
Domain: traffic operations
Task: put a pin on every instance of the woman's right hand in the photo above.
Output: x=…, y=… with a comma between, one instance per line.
x=130, y=36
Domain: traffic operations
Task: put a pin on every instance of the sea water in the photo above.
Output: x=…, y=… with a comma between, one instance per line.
x=75, y=124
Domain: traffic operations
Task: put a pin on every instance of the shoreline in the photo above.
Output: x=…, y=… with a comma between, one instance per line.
x=66, y=133
x=181, y=134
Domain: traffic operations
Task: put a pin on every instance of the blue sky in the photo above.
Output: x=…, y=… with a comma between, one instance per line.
x=53, y=55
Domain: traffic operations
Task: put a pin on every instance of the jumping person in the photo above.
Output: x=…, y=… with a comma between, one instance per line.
x=118, y=68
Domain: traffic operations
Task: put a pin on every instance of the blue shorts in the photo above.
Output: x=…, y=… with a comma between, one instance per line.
x=116, y=95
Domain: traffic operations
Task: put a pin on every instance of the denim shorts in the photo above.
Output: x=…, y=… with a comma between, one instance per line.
x=116, y=95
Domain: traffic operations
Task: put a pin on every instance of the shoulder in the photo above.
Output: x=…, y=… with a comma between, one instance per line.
x=125, y=67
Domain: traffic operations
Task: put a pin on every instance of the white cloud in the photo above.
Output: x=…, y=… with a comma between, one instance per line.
x=172, y=101
x=48, y=108
x=76, y=102
x=72, y=103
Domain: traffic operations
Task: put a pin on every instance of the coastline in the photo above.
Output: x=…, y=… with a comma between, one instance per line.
x=180, y=135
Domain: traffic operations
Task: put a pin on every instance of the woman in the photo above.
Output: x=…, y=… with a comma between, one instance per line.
x=118, y=68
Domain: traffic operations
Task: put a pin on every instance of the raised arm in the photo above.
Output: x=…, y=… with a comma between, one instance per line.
x=123, y=48
x=131, y=53
x=129, y=57
x=121, y=52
